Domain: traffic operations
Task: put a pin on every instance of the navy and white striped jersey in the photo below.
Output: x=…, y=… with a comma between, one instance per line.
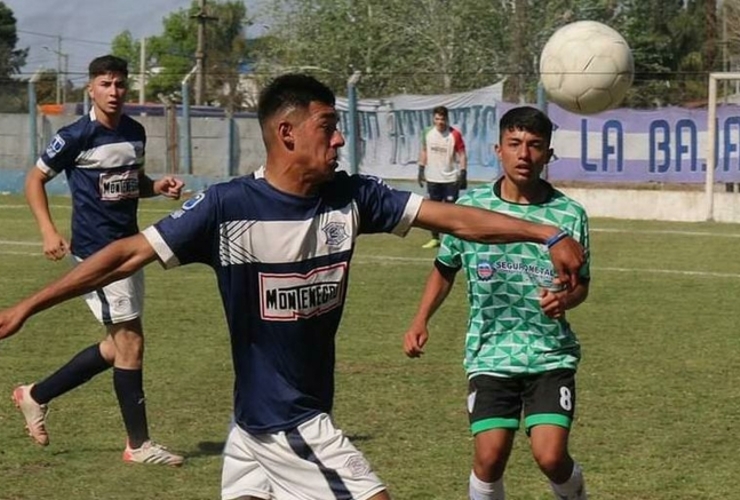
x=282, y=264
x=102, y=168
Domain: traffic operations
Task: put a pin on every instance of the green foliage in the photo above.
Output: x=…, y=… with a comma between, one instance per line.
x=656, y=403
x=171, y=55
x=124, y=46
x=438, y=46
x=419, y=46
x=11, y=58
x=13, y=95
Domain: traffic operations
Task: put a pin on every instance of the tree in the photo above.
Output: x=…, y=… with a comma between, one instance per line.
x=423, y=46
x=13, y=95
x=667, y=39
x=124, y=46
x=400, y=46
x=441, y=46
x=11, y=59
x=171, y=55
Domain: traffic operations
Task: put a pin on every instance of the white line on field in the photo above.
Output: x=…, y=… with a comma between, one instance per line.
x=367, y=259
x=664, y=231
x=673, y=232
x=364, y=259
x=146, y=210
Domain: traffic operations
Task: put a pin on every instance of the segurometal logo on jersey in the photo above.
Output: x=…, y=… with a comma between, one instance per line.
x=292, y=296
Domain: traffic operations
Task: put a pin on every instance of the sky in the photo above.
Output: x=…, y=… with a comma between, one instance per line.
x=86, y=28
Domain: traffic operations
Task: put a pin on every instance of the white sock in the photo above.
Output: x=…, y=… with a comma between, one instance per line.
x=573, y=489
x=479, y=490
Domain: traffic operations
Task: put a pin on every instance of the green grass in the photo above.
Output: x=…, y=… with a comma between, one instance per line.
x=657, y=398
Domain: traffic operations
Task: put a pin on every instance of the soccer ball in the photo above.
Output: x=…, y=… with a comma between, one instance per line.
x=586, y=67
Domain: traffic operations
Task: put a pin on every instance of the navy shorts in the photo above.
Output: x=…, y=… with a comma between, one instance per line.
x=447, y=192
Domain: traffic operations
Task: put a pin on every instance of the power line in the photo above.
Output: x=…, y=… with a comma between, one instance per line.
x=71, y=39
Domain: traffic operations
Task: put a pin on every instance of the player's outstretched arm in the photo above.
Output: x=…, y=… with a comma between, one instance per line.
x=118, y=260
x=54, y=245
x=437, y=289
x=485, y=226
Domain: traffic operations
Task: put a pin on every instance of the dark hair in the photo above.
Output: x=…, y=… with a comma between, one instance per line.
x=526, y=118
x=441, y=110
x=292, y=89
x=107, y=64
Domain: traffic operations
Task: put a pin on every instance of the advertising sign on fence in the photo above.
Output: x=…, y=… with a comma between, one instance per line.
x=623, y=145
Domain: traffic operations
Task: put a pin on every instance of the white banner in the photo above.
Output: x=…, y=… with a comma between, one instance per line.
x=390, y=131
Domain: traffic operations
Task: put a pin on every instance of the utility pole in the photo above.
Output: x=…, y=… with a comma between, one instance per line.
x=65, y=77
x=62, y=70
x=200, y=54
x=60, y=77
x=142, y=71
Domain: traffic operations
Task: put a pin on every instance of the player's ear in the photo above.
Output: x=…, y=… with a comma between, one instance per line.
x=285, y=134
x=550, y=154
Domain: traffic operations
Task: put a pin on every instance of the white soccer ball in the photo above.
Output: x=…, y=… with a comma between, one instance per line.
x=586, y=67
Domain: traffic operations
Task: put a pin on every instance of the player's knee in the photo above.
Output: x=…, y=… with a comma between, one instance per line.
x=130, y=346
x=551, y=460
x=129, y=343
x=108, y=350
x=490, y=461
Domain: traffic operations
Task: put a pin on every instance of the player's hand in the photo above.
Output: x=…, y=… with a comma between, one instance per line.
x=55, y=246
x=567, y=256
x=553, y=300
x=463, y=180
x=168, y=186
x=11, y=320
x=414, y=340
x=420, y=176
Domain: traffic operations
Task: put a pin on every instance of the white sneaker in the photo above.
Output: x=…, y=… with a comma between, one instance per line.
x=151, y=453
x=34, y=413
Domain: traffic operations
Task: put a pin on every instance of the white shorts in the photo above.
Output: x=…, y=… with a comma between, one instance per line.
x=313, y=461
x=120, y=301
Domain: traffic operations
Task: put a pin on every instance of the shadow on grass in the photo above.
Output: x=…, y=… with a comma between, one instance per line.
x=207, y=449
x=358, y=438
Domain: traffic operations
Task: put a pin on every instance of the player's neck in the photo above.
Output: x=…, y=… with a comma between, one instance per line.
x=524, y=194
x=108, y=120
x=281, y=179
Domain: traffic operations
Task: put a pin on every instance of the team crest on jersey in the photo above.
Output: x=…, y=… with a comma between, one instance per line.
x=192, y=202
x=293, y=296
x=484, y=270
x=336, y=233
x=55, y=146
x=357, y=466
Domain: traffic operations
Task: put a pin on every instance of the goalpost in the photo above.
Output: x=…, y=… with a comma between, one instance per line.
x=712, y=136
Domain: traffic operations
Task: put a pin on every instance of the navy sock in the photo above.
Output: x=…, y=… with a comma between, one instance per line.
x=129, y=386
x=84, y=366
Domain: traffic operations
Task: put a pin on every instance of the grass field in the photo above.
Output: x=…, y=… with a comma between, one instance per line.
x=658, y=395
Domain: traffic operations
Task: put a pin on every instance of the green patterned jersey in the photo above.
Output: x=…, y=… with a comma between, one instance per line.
x=508, y=334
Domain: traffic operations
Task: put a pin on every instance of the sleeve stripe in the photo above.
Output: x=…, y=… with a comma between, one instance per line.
x=46, y=169
x=459, y=142
x=163, y=251
x=409, y=215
